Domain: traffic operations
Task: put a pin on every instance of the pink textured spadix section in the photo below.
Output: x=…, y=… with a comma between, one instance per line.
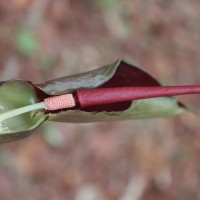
x=60, y=102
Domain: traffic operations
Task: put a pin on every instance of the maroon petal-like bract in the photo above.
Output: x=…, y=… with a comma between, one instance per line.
x=119, y=74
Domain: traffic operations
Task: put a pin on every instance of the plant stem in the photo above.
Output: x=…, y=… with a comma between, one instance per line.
x=22, y=110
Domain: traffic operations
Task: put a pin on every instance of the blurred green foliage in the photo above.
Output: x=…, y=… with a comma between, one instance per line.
x=46, y=62
x=106, y=3
x=53, y=136
x=26, y=42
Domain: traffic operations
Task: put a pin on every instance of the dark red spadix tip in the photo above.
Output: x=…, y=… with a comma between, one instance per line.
x=102, y=96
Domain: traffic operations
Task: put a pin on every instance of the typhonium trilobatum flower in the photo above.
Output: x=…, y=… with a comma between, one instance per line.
x=17, y=97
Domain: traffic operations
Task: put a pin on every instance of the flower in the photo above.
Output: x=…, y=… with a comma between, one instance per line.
x=22, y=109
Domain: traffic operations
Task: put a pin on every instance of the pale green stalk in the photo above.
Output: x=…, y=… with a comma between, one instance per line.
x=22, y=110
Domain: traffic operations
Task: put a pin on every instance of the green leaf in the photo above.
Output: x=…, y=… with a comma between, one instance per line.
x=16, y=94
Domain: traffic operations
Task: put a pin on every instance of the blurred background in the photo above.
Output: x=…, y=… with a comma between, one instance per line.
x=132, y=160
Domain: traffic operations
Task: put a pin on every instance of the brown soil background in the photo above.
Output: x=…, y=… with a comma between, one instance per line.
x=132, y=160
